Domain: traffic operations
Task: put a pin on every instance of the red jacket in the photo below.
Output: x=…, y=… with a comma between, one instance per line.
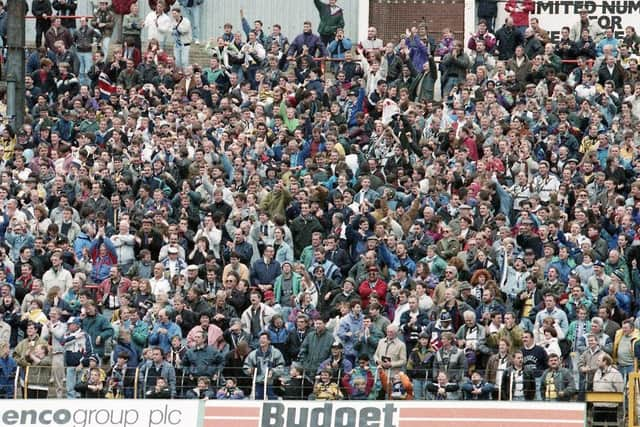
x=122, y=7
x=366, y=289
x=520, y=18
x=105, y=288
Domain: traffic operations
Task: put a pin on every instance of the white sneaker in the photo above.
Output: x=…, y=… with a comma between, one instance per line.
x=197, y=42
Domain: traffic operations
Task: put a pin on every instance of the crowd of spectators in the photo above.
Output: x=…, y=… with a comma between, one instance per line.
x=415, y=219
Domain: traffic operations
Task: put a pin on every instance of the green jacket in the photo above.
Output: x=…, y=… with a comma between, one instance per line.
x=140, y=335
x=277, y=286
x=97, y=326
x=276, y=202
x=328, y=23
x=314, y=350
x=290, y=124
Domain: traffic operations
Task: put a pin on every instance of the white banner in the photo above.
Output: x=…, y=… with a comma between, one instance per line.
x=554, y=14
x=100, y=413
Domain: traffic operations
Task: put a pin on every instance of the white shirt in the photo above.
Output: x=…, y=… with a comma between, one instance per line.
x=159, y=286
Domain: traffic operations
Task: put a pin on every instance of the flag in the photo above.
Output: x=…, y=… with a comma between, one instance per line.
x=389, y=109
x=106, y=86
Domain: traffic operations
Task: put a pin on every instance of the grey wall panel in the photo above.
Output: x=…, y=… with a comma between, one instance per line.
x=290, y=14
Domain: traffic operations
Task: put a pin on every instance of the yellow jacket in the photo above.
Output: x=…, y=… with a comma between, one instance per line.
x=616, y=342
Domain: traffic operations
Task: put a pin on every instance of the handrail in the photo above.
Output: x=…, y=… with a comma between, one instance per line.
x=59, y=16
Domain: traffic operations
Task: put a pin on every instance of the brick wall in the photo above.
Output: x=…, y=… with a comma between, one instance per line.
x=392, y=17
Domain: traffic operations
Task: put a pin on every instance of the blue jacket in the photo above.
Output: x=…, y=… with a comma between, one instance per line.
x=262, y=273
x=352, y=324
x=8, y=367
x=17, y=242
x=312, y=41
x=205, y=361
x=277, y=336
x=164, y=340
x=82, y=241
x=122, y=347
x=418, y=52
x=102, y=265
x=338, y=48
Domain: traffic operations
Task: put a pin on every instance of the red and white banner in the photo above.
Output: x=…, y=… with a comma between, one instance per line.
x=392, y=414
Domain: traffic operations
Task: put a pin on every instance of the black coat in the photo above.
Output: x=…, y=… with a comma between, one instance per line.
x=617, y=75
x=507, y=40
x=529, y=384
x=487, y=8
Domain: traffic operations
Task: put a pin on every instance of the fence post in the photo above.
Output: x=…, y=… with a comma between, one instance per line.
x=253, y=384
x=16, y=381
x=135, y=383
x=26, y=381
x=266, y=382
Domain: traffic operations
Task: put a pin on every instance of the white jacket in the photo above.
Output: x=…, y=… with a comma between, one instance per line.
x=182, y=32
x=158, y=27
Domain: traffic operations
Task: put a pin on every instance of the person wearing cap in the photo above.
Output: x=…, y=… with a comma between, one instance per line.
x=585, y=23
x=214, y=333
x=193, y=280
x=372, y=286
x=337, y=364
x=77, y=344
x=174, y=264
x=598, y=281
